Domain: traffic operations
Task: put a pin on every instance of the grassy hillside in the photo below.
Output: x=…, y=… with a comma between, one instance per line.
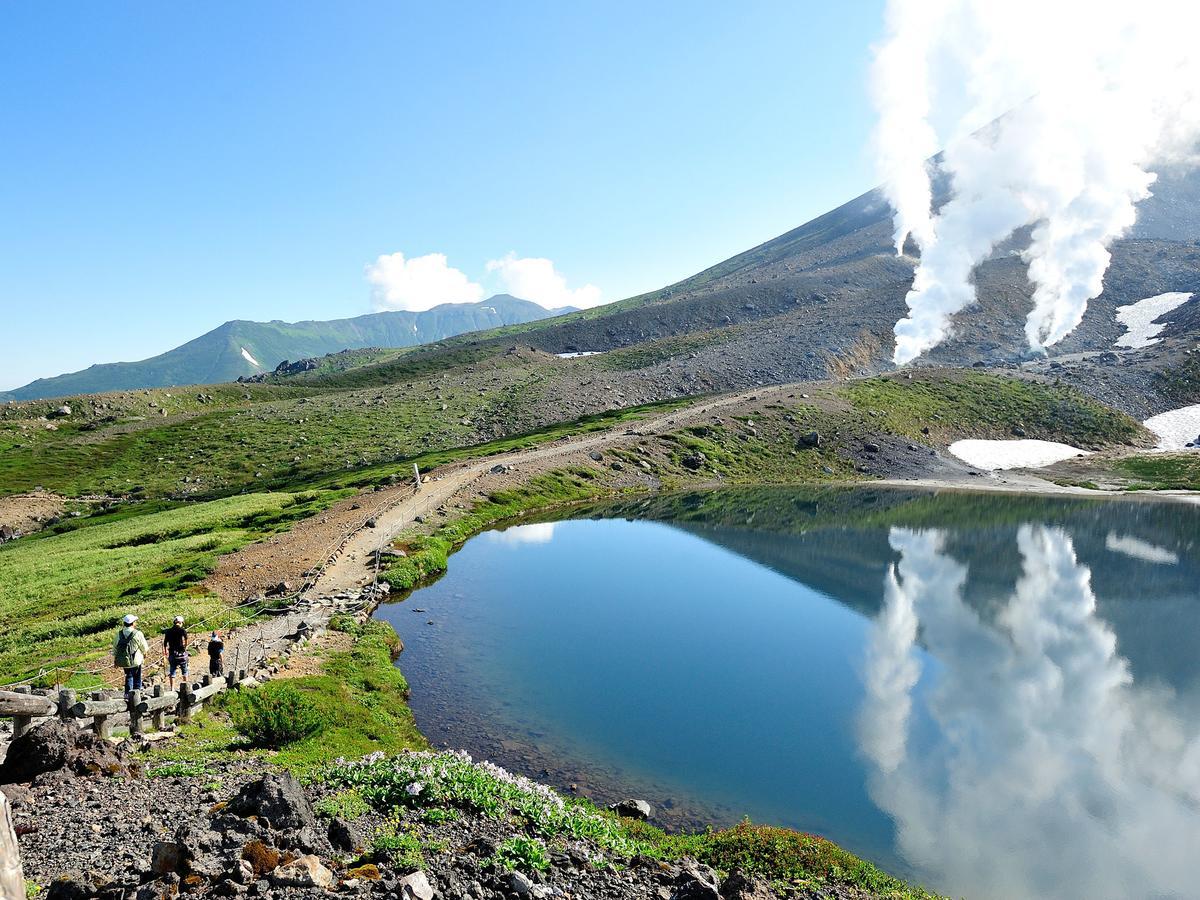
x=62, y=594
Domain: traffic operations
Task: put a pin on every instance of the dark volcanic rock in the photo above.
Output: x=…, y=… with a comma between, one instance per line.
x=742, y=887
x=278, y=798
x=633, y=809
x=56, y=746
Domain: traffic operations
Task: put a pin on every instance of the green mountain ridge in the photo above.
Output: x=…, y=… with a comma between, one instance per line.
x=218, y=355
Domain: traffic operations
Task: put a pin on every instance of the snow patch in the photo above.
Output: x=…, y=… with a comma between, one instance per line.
x=1022, y=454
x=250, y=359
x=578, y=353
x=1177, y=428
x=1135, y=547
x=1138, y=318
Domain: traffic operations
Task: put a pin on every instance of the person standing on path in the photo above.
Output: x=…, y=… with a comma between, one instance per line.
x=129, y=651
x=216, y=656
x=175, y=650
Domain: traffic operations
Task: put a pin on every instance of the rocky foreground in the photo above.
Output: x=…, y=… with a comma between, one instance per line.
x=92, y=823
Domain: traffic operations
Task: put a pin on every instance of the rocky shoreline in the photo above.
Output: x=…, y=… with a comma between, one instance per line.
x=239, y=830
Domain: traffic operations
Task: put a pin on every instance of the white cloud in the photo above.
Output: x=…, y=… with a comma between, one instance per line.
x=534, y=278
x=419, y=283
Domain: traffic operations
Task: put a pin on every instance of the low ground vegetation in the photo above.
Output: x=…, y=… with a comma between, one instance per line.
x=421, y=781
x=356, y=704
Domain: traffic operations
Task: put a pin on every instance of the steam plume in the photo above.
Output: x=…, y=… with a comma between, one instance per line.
x=1098, y=94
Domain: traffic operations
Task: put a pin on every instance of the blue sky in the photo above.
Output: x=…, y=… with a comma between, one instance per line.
x=169, y=166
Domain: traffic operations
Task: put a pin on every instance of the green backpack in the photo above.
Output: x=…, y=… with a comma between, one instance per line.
x=121, y=656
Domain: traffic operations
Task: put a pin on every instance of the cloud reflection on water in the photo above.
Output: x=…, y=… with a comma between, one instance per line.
x=535, y=533
x=1051, y=774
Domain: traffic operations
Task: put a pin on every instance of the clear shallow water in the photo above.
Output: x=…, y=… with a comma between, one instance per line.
x=997, y=696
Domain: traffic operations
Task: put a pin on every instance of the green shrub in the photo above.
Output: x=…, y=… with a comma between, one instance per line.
x=275, y=715
x=343, y=805
x=522, y=854
x=399, y=846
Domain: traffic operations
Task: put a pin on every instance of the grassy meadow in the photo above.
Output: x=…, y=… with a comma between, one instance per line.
x=62, y=593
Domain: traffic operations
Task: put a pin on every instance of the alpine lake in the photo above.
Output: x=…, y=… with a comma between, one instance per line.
x=994, y=695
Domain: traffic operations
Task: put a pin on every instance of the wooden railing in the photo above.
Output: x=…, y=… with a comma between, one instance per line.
x=26, y=706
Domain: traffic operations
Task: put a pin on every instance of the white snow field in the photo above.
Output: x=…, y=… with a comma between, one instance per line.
x=1138, y=318
x=250, y=359
x=1017, y=454
x=1177, y=428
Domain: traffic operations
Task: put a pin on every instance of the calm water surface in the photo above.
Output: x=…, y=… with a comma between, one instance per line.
x=996, y=696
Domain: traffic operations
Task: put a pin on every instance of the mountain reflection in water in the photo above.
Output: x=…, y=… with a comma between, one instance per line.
x=996, y=696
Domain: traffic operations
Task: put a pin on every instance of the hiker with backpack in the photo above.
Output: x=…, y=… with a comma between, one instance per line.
x=175, y=641
x=216, y=656
x=129, y=651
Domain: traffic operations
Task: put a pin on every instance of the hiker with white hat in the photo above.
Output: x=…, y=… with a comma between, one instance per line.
x=175, y=641
x=129, y=651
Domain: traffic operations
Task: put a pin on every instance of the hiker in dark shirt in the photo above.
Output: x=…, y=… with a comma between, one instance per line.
x=175, y=650
x=216, y=656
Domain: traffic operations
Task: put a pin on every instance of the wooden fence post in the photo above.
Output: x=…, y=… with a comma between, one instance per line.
x=66, y=699
x=184, y=713
x=135, y=713
x=159, y=716
x=22, y=724
x=12, y=881
x=100, y=723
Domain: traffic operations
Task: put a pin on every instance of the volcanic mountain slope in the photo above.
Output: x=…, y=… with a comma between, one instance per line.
x=822, y=299
x=246, y=348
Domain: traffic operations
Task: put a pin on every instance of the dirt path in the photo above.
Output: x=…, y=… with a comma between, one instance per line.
x=26, y=513
x=310, y=543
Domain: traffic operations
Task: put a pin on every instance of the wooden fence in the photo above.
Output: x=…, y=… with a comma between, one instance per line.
x=26, y=706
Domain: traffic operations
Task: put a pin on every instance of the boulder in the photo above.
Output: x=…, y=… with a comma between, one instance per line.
x=633, y=809
x=69, y=886
x=743, y=887
x=342, y=836
x=1019, y=431
x=304, y=871
x=520, y=884
x=8, y=533
x=695, y=882
x=596, y=456
x=870, y=447
x=167, y=857
x=693, y=461
x=278, y=798
x=809, y=440
x=56, y=746
x=415, y=887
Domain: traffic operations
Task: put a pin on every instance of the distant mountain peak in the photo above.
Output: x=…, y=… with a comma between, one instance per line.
x=243, y=347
